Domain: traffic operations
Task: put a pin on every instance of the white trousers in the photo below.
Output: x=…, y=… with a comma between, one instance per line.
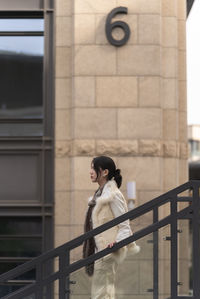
x=103, y=280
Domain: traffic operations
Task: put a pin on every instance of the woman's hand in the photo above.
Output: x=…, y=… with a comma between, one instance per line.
x=111, y=244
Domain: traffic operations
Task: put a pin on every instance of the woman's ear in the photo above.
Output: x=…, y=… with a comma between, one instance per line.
x=105, y=172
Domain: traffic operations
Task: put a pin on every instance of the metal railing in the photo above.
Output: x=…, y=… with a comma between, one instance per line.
x=41, y=286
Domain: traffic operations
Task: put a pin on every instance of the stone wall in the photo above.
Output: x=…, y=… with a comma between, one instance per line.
x=127, y=102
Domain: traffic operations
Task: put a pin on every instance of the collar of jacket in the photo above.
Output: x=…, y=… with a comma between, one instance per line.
x=109, y=191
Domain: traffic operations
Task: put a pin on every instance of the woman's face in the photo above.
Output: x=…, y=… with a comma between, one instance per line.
x=101, y=178
x=93, y=174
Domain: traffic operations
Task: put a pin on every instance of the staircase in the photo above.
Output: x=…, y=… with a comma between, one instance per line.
x=160, y=276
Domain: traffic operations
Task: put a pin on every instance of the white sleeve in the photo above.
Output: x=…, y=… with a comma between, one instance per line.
x=118, y=207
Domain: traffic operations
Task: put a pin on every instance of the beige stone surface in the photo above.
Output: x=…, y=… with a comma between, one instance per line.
x=139, y=123
x=83, y=147
x=79, y=204
x=182, y=96
x=117, y=147
x=150, y=147
x=81, y=174
x=62, y=130
x=75, y=231
x=84, y=29
x=63, y=93
x=183, y=126
x=169, y=32
x=170, y=173
x=183, y=171
x=169, y=8
x=182, y=9
x=62, y=235
x=62, y=148
x=117, y=91
x=146, y=171
x=139, y=60
x=84, y=92
x=149, y=92
x=170, y=148
x=149, y=29
x=184, y=150
x=141, y=6
x=145, y=196
x=63, y=62
x=92, y=7
x=94, y=60
x=117, y=33
x=62, y=174
x=182, y=65
x=63, y=7
x=182, y=34
x=62, y=208
x=169, y=64
x=170, y=93
x=63, y=31
x=95, y=123
x=170, y=124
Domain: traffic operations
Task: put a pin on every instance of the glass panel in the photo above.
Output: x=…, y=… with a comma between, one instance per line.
x=21, y=129
x=30, y=297
x=21, y=25
x=133, y=278
x=185, y=278
x=20, y=4
x=19, y=177
x=21, y=76
x=5, y=290
x=20, y=247
x=164, y=255
x=5, y=266
x=20, y=226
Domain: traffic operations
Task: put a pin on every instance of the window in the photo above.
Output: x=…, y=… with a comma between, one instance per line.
x=26, y=134
x=20, y=239
x=21, y=76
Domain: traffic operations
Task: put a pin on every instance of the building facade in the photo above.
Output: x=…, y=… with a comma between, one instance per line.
x=73, y=95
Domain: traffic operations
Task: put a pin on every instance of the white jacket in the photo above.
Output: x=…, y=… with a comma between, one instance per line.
x=110, y=205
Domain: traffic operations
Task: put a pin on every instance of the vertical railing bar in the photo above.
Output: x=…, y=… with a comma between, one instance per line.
x=67, y=279
x=174, y=252
x=64, y=291
x=196, y=241
x=39, y=287
x=155, y=256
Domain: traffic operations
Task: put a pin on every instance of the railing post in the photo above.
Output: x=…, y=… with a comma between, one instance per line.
x=196, y=241
x=64, y=290
x=155, y=256
x=174, y=253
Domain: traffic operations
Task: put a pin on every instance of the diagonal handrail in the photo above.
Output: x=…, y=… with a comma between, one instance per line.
x=83, y=262
x=139, y=211
x=133, y=214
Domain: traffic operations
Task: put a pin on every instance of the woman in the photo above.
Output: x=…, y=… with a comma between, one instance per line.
x=106, y=204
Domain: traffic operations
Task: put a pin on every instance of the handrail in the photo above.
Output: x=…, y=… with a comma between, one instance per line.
x=141, y=210
x=133, y=214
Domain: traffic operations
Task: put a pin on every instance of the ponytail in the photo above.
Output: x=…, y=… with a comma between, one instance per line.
x=118, y=177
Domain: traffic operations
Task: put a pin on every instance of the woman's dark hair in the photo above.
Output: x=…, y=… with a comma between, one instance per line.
x=104, y=162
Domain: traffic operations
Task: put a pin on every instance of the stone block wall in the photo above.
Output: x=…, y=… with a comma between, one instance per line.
x=127, y=102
